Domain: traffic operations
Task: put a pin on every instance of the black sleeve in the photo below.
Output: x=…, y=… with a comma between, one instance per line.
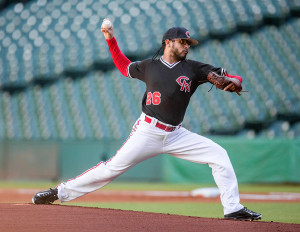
x=207, y=68
x=204, y=69
x=221, y=71
x=137, y=70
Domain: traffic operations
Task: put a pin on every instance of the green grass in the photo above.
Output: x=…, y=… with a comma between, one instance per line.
x=271, y=211
x=276, y=212
x=27, y=184
x=267, y=188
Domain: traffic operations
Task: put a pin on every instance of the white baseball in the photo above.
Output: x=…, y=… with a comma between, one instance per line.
x=106, y=24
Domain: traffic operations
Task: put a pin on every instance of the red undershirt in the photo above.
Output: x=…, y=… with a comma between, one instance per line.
x=120, y=60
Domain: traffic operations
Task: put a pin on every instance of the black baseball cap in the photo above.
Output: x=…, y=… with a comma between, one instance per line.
x=179, y=33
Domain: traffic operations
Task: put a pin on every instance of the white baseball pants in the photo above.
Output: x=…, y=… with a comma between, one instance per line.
x=147, y=141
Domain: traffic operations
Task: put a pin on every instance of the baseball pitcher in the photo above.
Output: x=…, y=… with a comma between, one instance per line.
x=170, y=82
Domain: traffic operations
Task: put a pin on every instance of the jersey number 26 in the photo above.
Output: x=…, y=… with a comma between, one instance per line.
x=153, y=98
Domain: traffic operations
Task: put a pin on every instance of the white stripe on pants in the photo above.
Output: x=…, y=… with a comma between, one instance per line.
x=147, y=141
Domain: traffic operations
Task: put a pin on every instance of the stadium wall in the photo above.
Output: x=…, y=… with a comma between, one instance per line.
x=254, y=161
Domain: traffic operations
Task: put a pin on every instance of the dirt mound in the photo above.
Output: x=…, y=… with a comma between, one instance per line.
x=29, y=217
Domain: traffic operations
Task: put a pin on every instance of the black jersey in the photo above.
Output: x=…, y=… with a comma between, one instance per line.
x=169, y=87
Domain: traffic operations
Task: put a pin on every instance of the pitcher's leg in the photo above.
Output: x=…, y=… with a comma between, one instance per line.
x=226, y=181
x=90, y=181
x=195, y=148
x=138, y=147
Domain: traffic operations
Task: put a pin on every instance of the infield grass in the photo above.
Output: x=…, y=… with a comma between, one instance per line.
x=275, y=212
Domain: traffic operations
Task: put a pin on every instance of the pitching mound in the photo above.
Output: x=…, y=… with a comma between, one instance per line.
x=29, y=217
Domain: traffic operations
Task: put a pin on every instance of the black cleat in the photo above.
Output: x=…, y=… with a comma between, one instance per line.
x=45, y=197
x=243, y=215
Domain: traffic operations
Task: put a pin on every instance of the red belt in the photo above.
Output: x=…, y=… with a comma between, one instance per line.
x=161, y=126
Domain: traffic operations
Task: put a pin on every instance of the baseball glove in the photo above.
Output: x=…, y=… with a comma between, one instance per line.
x=225, y=83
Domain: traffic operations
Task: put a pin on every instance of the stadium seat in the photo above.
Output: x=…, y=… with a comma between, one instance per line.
x=58, y=80
x=296, y=130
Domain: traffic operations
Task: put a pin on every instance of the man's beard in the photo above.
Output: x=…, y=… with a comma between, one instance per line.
x=179, y=55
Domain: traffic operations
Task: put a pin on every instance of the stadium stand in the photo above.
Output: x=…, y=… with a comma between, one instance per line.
x=58, y=80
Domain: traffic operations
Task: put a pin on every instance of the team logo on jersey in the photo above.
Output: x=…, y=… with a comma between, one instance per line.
x=185, y=83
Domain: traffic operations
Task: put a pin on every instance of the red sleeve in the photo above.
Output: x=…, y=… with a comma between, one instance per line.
x=120, y=60
x=237, y=77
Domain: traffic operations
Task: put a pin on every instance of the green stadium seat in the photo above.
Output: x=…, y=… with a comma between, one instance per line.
x=51, y=51
x=278, y=129
x=296, y=130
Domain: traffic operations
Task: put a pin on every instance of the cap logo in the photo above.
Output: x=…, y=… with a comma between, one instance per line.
x=188, y=34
